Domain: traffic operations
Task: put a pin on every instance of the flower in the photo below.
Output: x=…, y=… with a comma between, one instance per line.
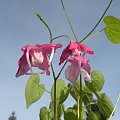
x=74, y=48
x=75, y=54
x=36, y=56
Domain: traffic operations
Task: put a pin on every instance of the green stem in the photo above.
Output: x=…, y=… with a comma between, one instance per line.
x=94, y=35
x=68, y=20
x=55, y=99
x=97, y=94
x=54, y=91
x=114, y=107
x=43, y=21
x=61, y=70
x=61, y=36
x=97, y=22
x=80, y=106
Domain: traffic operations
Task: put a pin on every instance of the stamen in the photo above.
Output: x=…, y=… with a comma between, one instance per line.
x=51, y=55
x=28, y=61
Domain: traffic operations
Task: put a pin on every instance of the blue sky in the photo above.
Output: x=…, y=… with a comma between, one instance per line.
x=19, y=26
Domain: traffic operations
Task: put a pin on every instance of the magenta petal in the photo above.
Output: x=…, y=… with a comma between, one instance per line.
x=68, y=51
x=73, y=71
x=45, y=66
x=85, y=49
x=23, y=66
x=47, y=48
x=72, y=74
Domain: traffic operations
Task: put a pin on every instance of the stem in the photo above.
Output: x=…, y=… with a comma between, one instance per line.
x=54, y=91
x=97, y=94
x=61, y=70
x=54, y=99
x=61, y=36
x=114, y=107
x=98, y=21
x=94, y=35
x=43, y=21
x=80, y=106
x=68, y=20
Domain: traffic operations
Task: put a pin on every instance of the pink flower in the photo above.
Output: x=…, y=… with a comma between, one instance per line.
x=36, y=56
x=75, y=54
x=74, y=48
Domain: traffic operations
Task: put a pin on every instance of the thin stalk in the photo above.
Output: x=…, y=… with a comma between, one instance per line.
x=61, y=70
x=43, y=21
x=80, y=106
x=55, y=99
x=98, y=21
x=68, y=20
x=94, y=35
x=54, y=91
x=114, y=107
x=61, y=36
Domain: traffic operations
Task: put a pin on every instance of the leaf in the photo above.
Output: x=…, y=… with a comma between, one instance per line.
x=105, y=105
x=94, y=115
x=97, y=81
x=62, y=92
x=83, y=114
x=87, y=97
x=75, y=93
x=43, y=114
x=70, y=114
x=59, y=111
x=112, y=29
x=34, y=90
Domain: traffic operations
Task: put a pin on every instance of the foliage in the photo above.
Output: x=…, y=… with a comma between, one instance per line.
x=40, y=56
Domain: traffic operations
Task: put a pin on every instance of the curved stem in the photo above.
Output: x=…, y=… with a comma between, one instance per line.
x=43, y=21
x=98, y=21
x=68, y=20
x=61, y=36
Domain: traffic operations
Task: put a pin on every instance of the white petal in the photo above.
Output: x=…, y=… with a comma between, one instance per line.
x=51, y=56
x=28, y=61
x=85, y=75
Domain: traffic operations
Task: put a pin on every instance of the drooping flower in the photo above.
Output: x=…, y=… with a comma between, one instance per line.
x=36, y=56
x=75, y=54
x=74, y=48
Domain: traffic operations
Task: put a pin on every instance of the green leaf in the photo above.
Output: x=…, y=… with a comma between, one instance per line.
x=105, y=105
x=62, y=92
x=59, y=111
x=75, y=93
x=112, y=29
x=94, y=115
x=87, y=97
x=43, y=114
x=97, y=81
x=34, y=90
x=70, y=114
x=83, y=114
